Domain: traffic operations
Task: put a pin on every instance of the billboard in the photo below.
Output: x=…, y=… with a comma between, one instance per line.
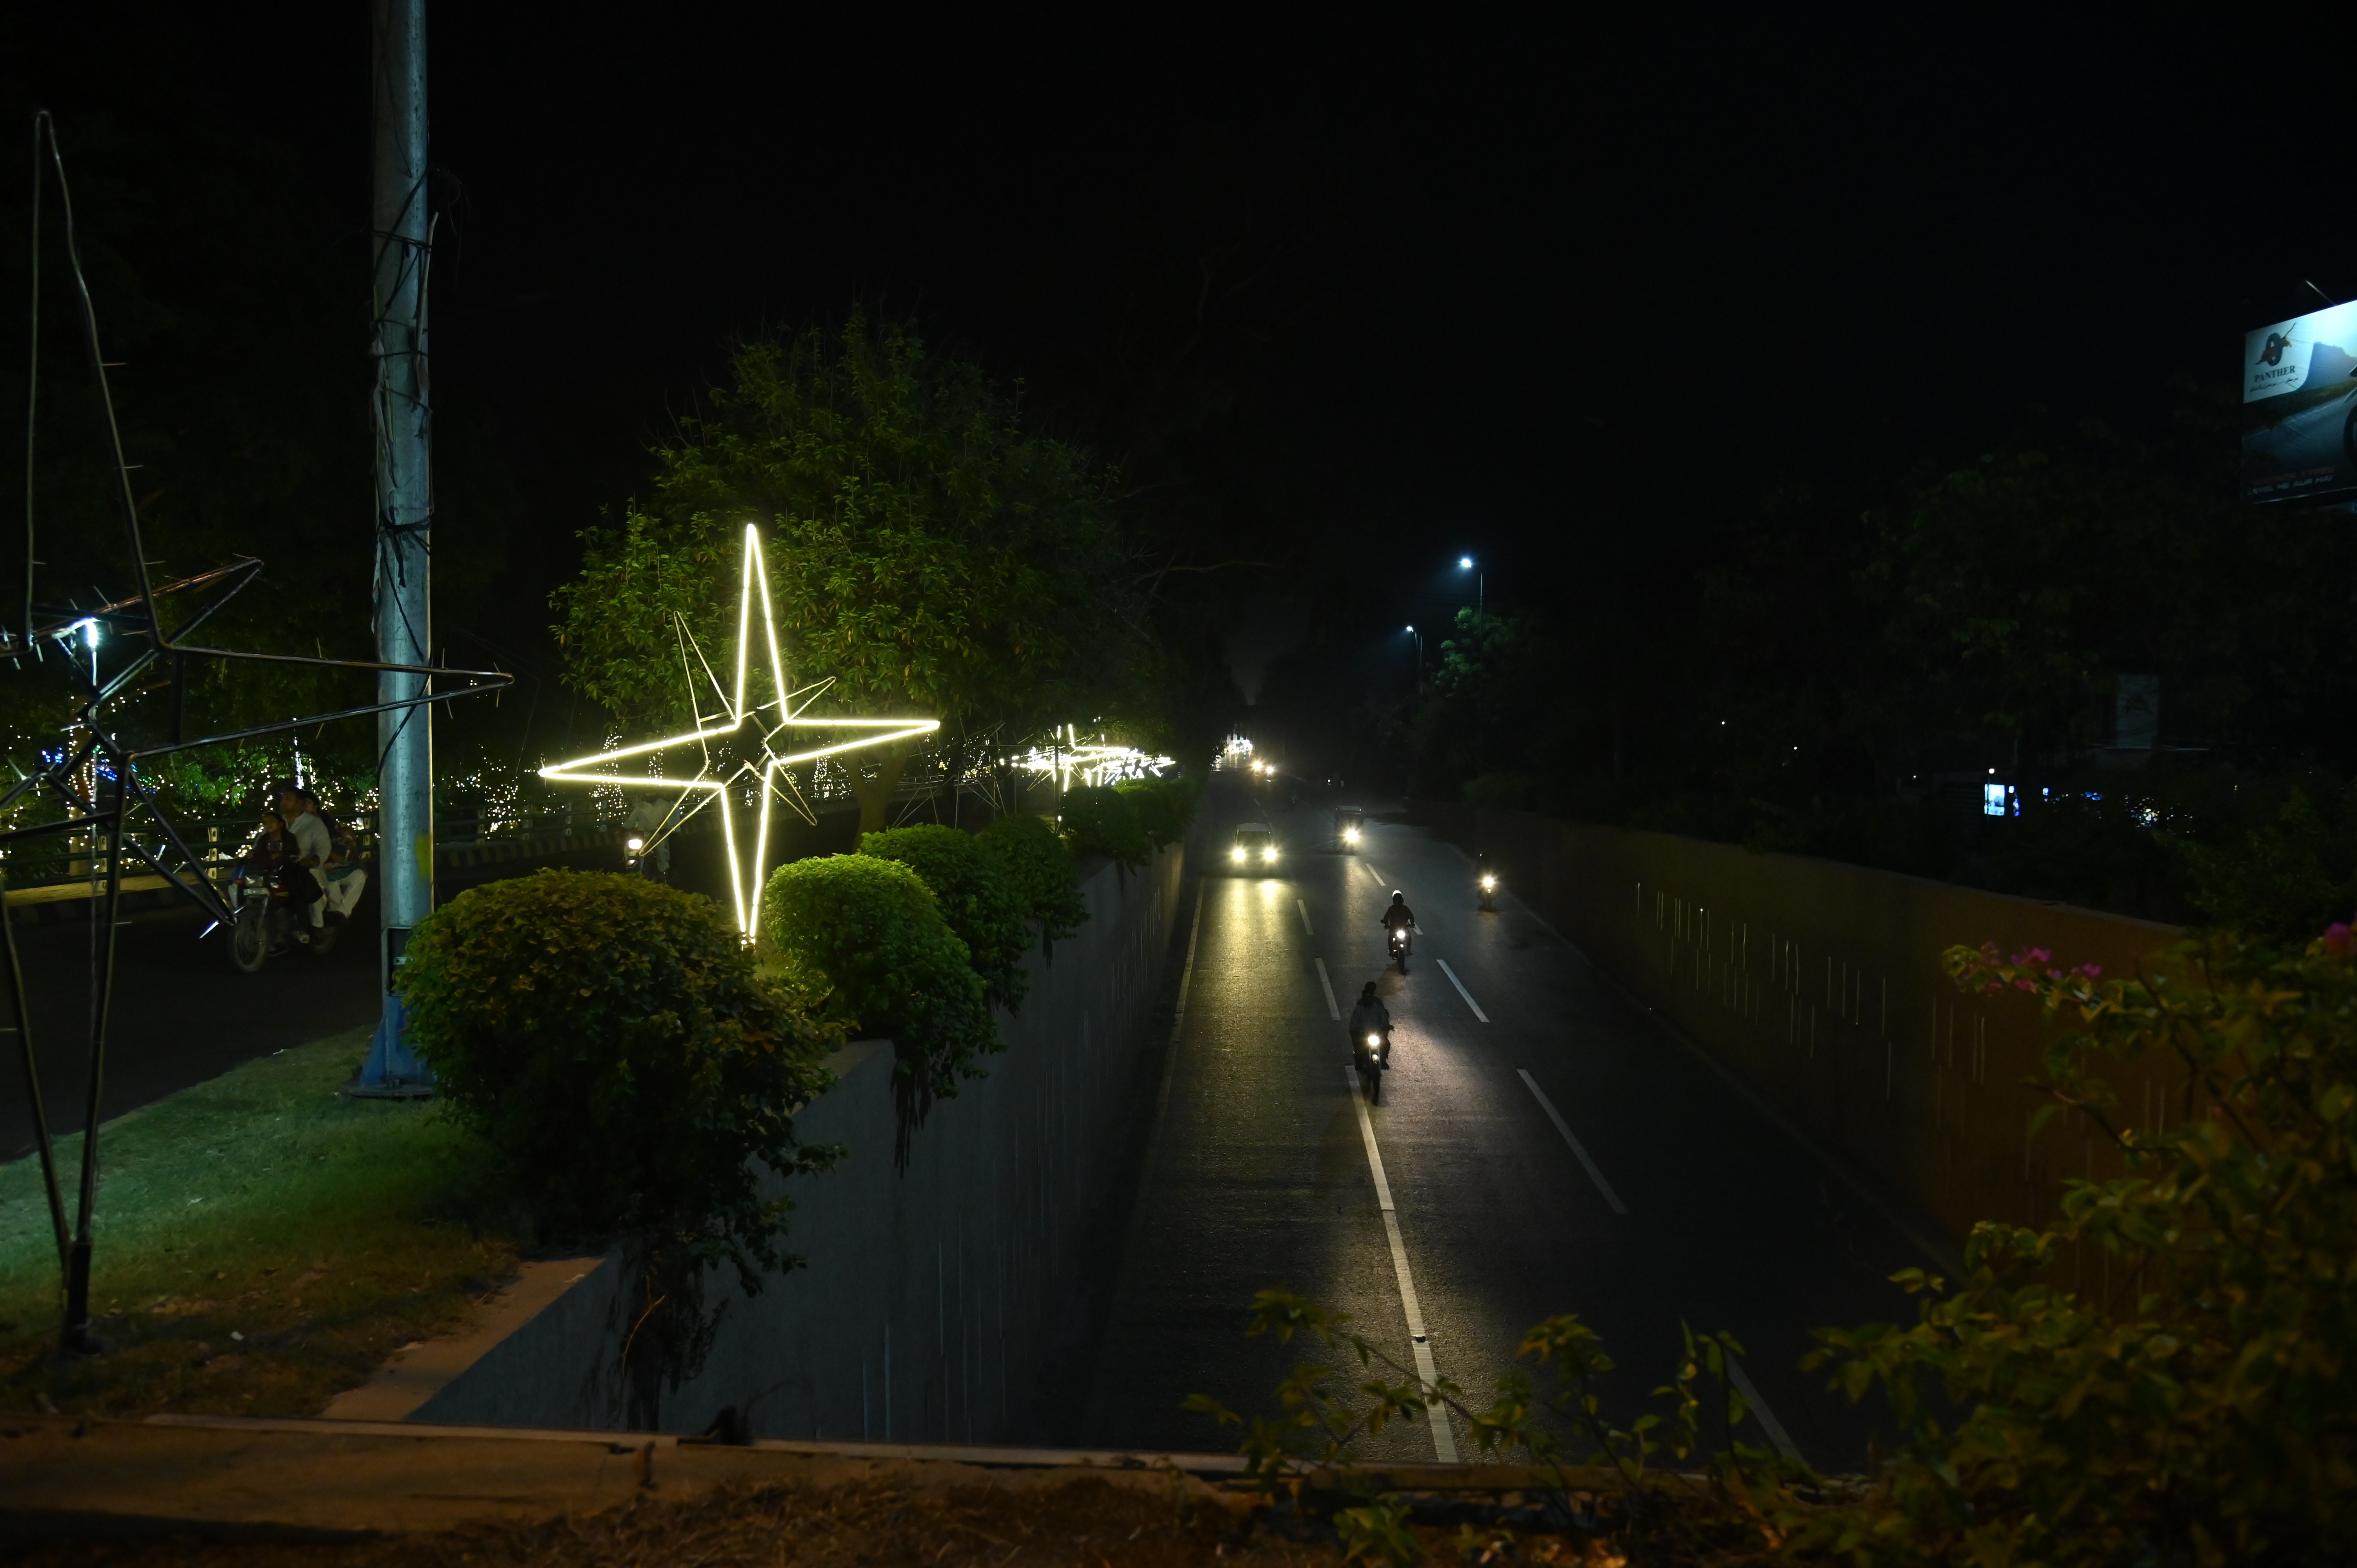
x=2300, y=406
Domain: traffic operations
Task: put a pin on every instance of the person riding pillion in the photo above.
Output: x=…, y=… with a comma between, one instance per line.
x=1370, y=1016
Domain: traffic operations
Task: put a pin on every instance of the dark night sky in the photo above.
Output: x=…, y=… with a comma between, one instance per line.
x=1550, y=291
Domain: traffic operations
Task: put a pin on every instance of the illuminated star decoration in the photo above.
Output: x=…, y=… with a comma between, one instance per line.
x=1095, y=761
x=762, y=723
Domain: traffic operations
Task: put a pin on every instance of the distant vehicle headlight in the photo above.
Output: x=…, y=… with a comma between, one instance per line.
x=1489, y=882
x=1267, y=854
x=1238, y=852
x=1350, y=835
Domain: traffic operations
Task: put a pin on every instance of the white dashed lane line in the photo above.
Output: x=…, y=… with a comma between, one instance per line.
x=1305, y=917
x=1768, y=1422
x=1564, y=1127
x=1328, y=987
x=1444, y=1440
x=1462, y=991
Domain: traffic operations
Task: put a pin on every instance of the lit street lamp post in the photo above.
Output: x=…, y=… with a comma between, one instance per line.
x=1480, y=582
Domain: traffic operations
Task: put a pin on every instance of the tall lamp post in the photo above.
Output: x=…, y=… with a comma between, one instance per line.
x=405, y=500
x=1480, y=581
x=1419, y=654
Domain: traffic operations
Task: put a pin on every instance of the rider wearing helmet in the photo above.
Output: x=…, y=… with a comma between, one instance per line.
x=1399, y=914
x=1372, y=1017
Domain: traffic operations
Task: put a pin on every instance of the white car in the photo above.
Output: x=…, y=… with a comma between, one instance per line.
x=1255, y=845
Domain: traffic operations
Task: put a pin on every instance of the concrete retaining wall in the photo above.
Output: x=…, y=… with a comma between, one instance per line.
x=1819, y=985
x=929, y=1295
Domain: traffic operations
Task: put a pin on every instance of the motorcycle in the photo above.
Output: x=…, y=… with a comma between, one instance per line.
x=1371, y=1054
x=1402, y=941
x=1489, y=892
x=262, y=920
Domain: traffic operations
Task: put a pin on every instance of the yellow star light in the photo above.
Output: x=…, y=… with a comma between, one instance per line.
x=757, y=721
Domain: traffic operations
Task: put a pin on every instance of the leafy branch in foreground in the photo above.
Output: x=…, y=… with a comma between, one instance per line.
x=1547, y=1413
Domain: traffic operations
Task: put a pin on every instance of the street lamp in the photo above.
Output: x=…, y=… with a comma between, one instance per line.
x=1419, y=653
x=1480, y=583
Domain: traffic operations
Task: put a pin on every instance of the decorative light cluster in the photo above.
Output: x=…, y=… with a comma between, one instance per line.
x=732, y=779
x=1091, y=761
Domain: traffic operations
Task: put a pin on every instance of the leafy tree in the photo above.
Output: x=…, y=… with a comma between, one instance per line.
x=974, y=898
x=1035, y=864
x=1098, y=819
x=611, y=1041
x=927, y=553
x=875, y=930
x=1164, y=806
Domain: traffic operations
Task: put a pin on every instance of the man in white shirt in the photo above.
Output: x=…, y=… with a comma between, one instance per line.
x=313, y=847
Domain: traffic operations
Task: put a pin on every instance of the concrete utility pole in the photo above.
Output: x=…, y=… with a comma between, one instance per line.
x=405, y=514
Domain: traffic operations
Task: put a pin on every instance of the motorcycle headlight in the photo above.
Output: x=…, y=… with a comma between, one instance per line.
x=1374, y=1039
x=1489, y=882
x=1238, y=852
x=634, y=845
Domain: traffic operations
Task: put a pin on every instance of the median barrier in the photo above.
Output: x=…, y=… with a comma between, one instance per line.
x=931, y=1296
x=1818, y=985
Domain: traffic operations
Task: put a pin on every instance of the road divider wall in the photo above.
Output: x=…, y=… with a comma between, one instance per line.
x=1819, y=986
x=932, y=1295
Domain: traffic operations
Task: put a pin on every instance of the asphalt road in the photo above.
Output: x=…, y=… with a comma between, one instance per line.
x=1690, y=1206
x=182, y=1013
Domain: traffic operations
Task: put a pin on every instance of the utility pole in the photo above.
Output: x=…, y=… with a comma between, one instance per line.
x=405, y=514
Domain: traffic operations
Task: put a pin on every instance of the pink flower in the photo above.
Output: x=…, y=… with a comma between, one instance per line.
x=2336, y=939
x=2025, y=985
x=2091, y=971
x=2031, y=955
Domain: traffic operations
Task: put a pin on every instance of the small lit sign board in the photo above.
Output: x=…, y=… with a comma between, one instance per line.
x=2300, y=406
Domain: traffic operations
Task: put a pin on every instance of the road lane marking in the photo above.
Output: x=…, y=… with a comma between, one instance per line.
x=1462, y=991
x=1444, y=1440
x=1305, y=917
x=1327, y=986
x=1564, y=1127
x=1178, y=1017
x=1376, y=874
x=1768, y=1422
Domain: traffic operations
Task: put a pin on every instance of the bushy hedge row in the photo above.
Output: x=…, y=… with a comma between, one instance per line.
x=615, y=1045
x=975, y=897
x=1039, y=868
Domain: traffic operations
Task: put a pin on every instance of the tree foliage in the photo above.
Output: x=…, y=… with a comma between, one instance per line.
x=1098, y=819
x=612, y=1043
x=928, y=552
x=976, y=900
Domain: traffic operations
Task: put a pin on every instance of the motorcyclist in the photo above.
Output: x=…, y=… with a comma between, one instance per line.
x=1399, y=915
x=1370, y=1016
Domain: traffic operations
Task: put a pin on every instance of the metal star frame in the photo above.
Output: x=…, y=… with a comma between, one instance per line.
x=717, y=781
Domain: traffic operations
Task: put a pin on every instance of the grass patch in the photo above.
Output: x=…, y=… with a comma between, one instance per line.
x=262, y=1243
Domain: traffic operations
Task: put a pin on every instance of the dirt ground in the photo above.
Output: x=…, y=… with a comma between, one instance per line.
x=1087, y=1523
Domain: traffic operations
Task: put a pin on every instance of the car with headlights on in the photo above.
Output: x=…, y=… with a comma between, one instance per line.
x=1255, y=847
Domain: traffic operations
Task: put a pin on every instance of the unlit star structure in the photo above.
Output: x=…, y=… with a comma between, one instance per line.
x=764, y=723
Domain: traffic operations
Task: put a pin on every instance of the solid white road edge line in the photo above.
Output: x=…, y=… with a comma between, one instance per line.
x=1305, y=917
x=1328, y=987
x=1564, y=1128
x=1178, y=1017
x=1444, y=1439
x=1768, y=1422
x=1462, y=991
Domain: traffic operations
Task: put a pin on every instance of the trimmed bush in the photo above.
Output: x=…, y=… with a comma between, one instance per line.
x=974, y=896
x=1036, y=865
x=1098, y=819
x=875, y=930
x=1164, y=807
x=612, y=1042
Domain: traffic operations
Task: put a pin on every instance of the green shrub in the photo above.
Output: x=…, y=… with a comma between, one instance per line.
x=974, y=896
x=1036, y=865
x=1098, y=819
x=873, y=929
x=1164, y=807
x=2207, y=1410
x=612, y=1043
